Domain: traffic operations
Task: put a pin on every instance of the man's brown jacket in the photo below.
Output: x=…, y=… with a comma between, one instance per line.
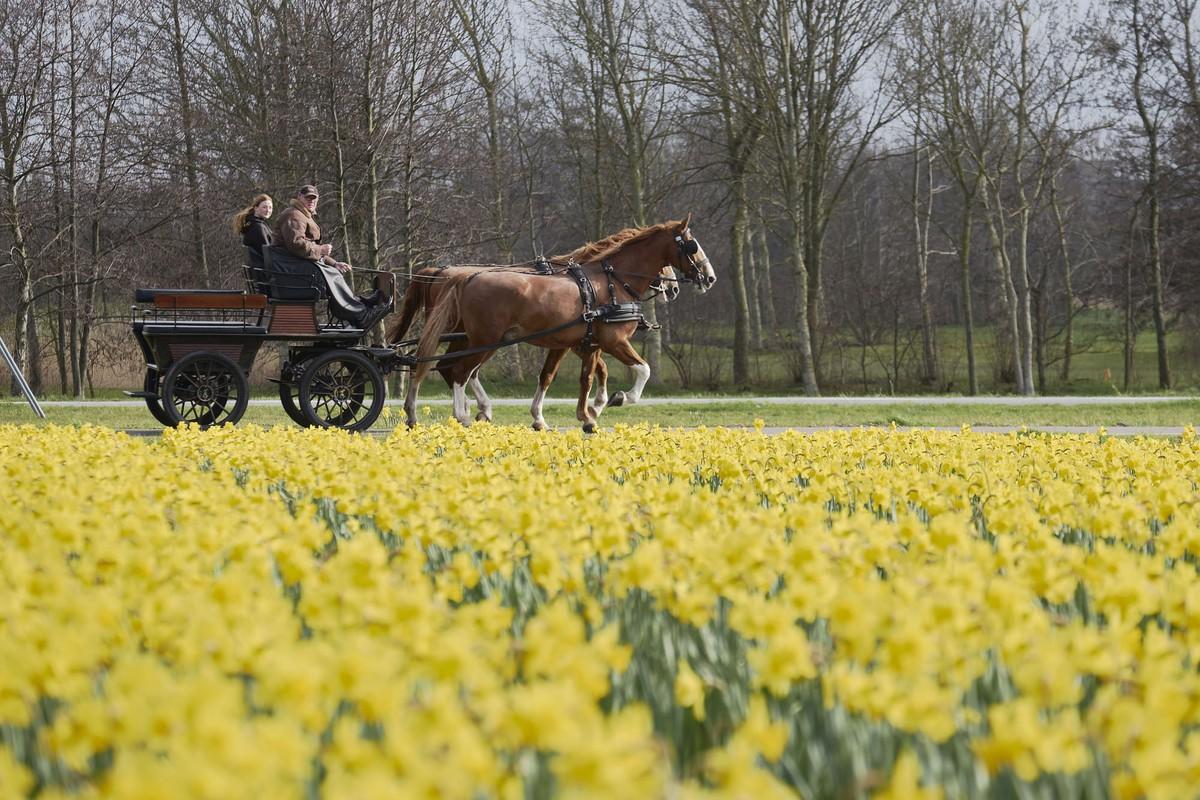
x=297, y=230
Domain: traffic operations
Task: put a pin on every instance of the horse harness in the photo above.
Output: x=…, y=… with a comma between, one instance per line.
x=612, y=311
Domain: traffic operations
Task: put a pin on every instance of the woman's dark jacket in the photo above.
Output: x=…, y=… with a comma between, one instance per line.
x=255, y=236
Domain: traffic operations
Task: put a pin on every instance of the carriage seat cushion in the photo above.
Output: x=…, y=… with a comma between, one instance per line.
x=290, y=277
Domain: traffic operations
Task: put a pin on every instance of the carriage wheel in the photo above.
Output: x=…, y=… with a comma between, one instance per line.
x=342, y=389
x=150, y=384
x=289, y=398
x=289, y=393
x=205, y=388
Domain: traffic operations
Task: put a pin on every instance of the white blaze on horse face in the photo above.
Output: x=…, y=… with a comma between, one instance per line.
x=641, y=374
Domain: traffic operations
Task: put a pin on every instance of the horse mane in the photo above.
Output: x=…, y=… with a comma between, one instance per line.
x=607, y=247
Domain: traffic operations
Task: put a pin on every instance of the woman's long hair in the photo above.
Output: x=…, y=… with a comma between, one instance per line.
x=239, y=219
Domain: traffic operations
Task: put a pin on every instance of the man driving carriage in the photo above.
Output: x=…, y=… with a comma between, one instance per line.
x=297, y=233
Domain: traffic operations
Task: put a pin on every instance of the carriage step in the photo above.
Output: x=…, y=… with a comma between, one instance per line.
x=143, y=395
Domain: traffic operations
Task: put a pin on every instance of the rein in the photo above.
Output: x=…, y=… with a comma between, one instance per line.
x=543, y=267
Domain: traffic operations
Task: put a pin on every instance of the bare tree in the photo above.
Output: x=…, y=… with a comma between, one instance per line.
x=609, y=44
x=726, y=91
x=1133, y=45
x=25, y=58
x=484, y=34
x=178, y=40
x=810, y=56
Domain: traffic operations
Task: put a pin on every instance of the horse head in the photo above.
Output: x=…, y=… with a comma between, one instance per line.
x=666, y=284
x=692, y=260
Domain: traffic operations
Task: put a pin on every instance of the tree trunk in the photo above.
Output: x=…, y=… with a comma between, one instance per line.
x=189, y=145
x=1068, y=291
x=370, y=125
x=72, y=234
x=33, y=370
x=771, y=320
x=59, y=332
x=1156, y=273
x=1024, y=308
x=964, y=263
x=1009, y=301
x=1130, y=329
x=339, y=158
x=20, y=256
x=1039, y=339
x=808, y=373
x=752, y=290
x=741, y=321
x=1143, y=36
x=922, y=216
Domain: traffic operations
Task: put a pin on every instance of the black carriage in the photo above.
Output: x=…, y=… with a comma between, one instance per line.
x=199, y=346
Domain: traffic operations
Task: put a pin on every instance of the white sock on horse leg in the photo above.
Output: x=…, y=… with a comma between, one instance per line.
x=641, y=375
x=481, y=397
x=601, y=395
x=461, y=408
x=535, y=409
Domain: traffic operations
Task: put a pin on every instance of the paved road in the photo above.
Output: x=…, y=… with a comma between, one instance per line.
x=1115, y=430
x=1106, y=400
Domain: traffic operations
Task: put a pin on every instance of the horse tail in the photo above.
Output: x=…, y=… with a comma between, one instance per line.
x=414, y=298
x=445, y=317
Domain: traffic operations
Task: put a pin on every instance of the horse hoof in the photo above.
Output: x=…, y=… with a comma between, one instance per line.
x=618, y=399
x=589, y=427
x=539, y=426
x=483, y=417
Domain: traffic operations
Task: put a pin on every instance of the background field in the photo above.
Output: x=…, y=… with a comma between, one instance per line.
x=704, y=364
x=722, y=411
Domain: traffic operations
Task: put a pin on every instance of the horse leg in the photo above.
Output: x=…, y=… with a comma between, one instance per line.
x=460, y=375
x=549, y=369
x=410, y=399
x=583, y=411
x=462, y=411
x=481, y=398
x=625, y=353
x=601, y=387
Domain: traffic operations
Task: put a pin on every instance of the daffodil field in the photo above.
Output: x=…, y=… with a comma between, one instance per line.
x=492, y=612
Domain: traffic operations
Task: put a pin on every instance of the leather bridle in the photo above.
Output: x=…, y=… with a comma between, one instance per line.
x=688, y=248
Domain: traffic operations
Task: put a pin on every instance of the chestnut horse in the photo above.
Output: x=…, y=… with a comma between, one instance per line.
x=496, y=306
x=426, y=289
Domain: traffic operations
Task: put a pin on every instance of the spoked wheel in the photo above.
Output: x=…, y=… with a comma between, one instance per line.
x=150, y=386
x=289, y=398
x=341, y=389
x=205, y=388
x=289, y=393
